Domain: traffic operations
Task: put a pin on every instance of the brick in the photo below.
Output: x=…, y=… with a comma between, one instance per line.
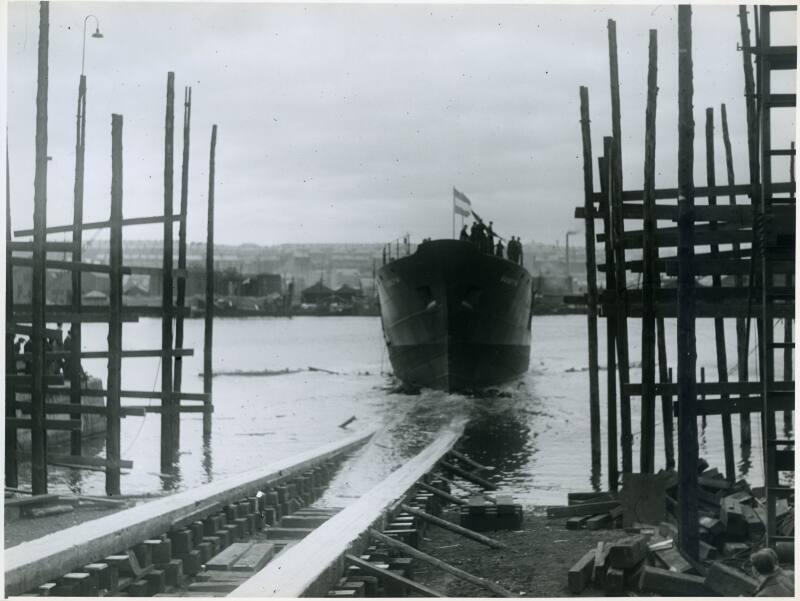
x=580, y=574
x=729, y=582
x=665, y=582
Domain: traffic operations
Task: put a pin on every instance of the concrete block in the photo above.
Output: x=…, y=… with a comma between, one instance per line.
x=181, y=541
x=173, y=572
x=665, y=582
x=729, y=582
x=359, y=587
x=370, y=584
x=107, y=576
x=160, y=550
x=577, y=522
x=137, y=588
x=144, y=554
x=192, y=563
x=580, y=574
x=206, y=551
x=156, y=582
x=216, y=544
x=82, y=584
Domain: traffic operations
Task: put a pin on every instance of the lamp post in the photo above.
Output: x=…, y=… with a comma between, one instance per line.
x=77, y=235
x=96, y=34
x=566, y=250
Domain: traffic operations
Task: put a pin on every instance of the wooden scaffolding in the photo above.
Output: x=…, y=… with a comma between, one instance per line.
x=33, y=319
x=744, y=246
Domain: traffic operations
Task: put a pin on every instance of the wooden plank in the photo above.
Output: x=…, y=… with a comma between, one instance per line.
x=255, y=558
x=68, y=265
x=305, y=568
x=580, y=574
x=11, y=467
x=36, y=561
x=472, y=462
x=20, y=423
x=60, y=458
x=457, y=572
x=567, y=511
x=225, y=559
x=701, y=191
x=441, y=494
x=468, y=476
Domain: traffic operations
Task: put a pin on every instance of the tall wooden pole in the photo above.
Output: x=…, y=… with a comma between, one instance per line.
x=719, y=324
x=113, y=421
x=688, y=527
x=208, y=338
x=591, y=280
x=788, y=376
x=650, y=256
x=12, y=478
x=618, y=229
x=180, y=301
x=754, y=170
x=611, y=323
x=170, y=405
x=742, y=352
x=38, y=294
x=77, y=240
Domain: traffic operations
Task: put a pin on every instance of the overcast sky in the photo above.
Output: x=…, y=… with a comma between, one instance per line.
x=353, y=122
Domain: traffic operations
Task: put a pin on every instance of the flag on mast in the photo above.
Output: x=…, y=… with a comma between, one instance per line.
x=461, y=204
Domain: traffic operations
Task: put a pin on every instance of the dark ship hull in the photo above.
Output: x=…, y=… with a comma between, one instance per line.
x=455, y=318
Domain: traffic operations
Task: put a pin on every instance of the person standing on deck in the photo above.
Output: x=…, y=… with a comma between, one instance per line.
x=498, y=251
x=464, y=235
x=490, y=238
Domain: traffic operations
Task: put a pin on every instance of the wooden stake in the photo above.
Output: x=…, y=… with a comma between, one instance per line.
x=485, y=540
x=742, y=342
x=208, y=336
x=12, y=479
x=457, y=572
x=38, y=294
x=441, y=494
x=180, y=302
x=611, y=322
x=169, y=416
x=113, y=425
x=719, y=324
x=77, y=240
x=788, y=376
x=687, y=353
x=591, y=280
x=650, y=256
x=618, y=229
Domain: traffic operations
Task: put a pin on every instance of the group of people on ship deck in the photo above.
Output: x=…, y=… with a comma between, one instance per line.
x=483, y=236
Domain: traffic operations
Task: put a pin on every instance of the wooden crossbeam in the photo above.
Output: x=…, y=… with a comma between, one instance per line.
x=129, y=312
x=204, y=408
x=20, y=423
x=730, y=308
x=74, y=408
x=98, y=225
x=741, y=214
x=707, y=388
x=61, y=459
x=59, y=247
x=27, y=330
x=147, y=394
x=68, y=265
x=49, y=379
x=72, y=317
x=699, y=192
x=131, y=354
x=745, y=404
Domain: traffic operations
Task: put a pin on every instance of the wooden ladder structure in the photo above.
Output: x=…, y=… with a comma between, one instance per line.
x=776, y=244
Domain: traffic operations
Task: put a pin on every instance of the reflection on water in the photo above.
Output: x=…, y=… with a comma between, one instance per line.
x=535, y=432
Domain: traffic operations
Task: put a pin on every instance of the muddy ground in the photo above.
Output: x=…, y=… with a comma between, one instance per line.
x=535, y=564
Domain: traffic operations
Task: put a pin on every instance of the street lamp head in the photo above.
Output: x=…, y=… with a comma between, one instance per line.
x=97, y=33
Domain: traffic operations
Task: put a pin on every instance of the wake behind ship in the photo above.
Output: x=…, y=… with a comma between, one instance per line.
x=455, y=318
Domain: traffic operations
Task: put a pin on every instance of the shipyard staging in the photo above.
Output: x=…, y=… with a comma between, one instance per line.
x=462, y=416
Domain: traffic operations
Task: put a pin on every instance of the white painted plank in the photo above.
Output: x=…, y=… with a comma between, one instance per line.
x=302, y=569
x=34, y=562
